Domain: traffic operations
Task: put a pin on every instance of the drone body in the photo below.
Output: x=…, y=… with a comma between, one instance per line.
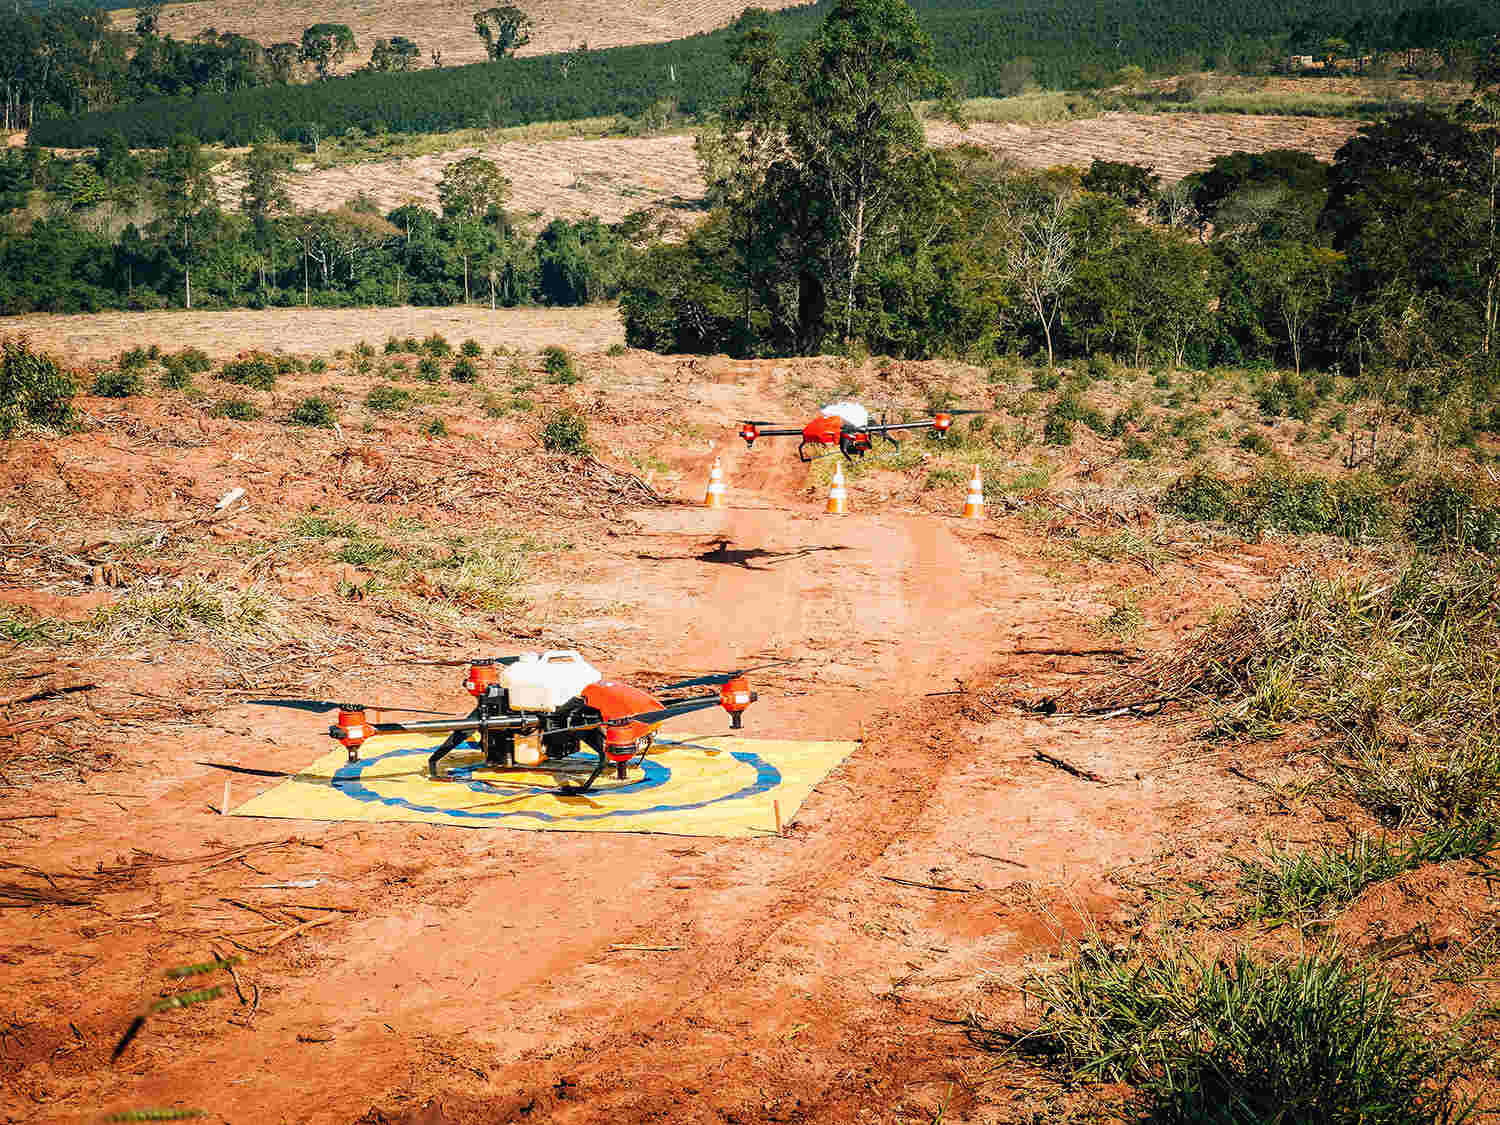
x=540, y=707
x=847, y=426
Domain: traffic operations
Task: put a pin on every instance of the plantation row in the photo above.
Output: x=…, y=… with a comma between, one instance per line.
x=988, y=50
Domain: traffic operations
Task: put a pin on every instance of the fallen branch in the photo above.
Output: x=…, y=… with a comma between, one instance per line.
x=295, y=930
x=1069, y=767
x=1068, y=652
x=645, y=948
x=47, y=693
x=932, y=886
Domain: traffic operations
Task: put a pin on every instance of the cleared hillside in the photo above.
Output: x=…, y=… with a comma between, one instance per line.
x=610, y=178
x=448, y=25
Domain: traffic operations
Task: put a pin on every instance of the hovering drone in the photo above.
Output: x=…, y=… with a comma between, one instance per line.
x=540, y=707
x=847, y=425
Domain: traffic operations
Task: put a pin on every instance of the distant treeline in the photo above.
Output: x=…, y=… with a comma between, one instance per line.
x=988, y=51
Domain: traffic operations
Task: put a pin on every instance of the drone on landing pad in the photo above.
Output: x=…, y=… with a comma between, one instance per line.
x=539, y=707
x=847, y=425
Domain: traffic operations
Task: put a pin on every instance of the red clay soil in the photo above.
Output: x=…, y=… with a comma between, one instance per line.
x=471, y=975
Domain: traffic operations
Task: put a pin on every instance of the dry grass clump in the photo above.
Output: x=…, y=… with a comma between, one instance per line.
x=1396, y=672
x=195, y=608
x=1315, y=1039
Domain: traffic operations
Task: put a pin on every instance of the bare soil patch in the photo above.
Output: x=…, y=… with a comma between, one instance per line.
x=98, y=336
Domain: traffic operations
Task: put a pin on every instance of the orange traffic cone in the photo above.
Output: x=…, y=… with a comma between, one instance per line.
x=838, y=496
x=974, y=505
x=714, y=497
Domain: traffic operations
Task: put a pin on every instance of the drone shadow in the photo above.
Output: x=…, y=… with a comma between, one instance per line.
x=727, y=556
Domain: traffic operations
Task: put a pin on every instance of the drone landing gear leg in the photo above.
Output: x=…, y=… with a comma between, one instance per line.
x=570, y=788
x=455, y=739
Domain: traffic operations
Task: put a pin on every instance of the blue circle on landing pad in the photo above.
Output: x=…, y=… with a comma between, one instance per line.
x=349, y=780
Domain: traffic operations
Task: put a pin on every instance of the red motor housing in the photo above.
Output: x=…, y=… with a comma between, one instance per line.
x=351, y=730
x=942, y=423
x=480, y=676
x=734, y=697
x=749, y=432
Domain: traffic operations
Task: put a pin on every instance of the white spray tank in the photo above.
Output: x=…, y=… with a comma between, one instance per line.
x=544, y=681
x=850, y=411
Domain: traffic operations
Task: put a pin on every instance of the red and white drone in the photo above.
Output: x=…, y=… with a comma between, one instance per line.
x=539, y=707
x=847, y=425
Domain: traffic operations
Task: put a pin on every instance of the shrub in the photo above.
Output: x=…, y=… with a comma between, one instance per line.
x=1256, y=442
x=235, y=408
x=134, y=359
x=388, y=398
x=258, y=371
x=1162, y=381
x=471, y=348
x=176, y=379
x=1200, y=496
x=616, y=350
x=436, y=345
x=33, y=388
x=392, y=345
x=429, y=370
x=1058, y=430
x=1046, y=380
x=435, y=427
x=317, y=365
x=559, y=365
x=566, y=431
x=119, y=384
x=464, y=371
x=1443, y=512
x=1075, y=409
x=364, y=349
x=1137, y=449
x=189, y=361
x=313, y=411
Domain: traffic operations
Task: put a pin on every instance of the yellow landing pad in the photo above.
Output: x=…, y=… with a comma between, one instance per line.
x=713, y=785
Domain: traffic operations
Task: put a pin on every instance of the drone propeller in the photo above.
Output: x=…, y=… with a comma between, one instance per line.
x=757, y=422
x=323, y=706
x=720, y=678
x=955, y=413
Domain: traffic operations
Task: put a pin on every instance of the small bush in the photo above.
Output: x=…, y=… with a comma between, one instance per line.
x=1076, y=409
x=189, y=361
x=1443, y=513
x=235, y=408
x=1137, y=449
x=393, y=345
x=566, y=431
x=119, y=384
x=464, y=371
x=134, y=359
x=317, y=365
x=559, y=365
x=1057, y=431
x=429, y=370
x=258, y=371
x=616, y=350
x=388, y=398
x=436, y=345
x=364, y=349
x=1256, y=442
x=1200, y=496
x=1162, y=381
x=33, y=388
x=176, y=379
x=471, y=348
x=1046, y=380
x=313, y=411
x=435, y=427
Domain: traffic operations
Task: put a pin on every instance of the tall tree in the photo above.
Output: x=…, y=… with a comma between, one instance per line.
x=852, y=128
x=504, y=30
x=471, y=191
x=184, y=197
x=264, y=194
x=325, y=45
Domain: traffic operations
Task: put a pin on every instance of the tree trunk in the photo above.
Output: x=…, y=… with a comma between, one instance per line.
x=187, y=281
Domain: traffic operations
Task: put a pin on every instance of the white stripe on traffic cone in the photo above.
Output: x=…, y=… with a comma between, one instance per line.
x=974, y=505
x=838, y=496
x=714, y=497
